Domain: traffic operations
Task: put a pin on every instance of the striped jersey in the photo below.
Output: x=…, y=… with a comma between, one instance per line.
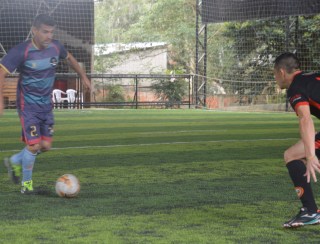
x=305, y=90
x=37, y=73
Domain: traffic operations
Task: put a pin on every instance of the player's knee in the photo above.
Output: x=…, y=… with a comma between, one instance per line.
x=290, y=155
x=287, y=156
x=34, y=148
x=45, y=146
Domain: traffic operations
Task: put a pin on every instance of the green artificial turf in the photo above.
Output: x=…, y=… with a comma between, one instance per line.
x=157, y=176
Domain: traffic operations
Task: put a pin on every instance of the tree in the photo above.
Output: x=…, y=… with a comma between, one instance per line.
x=236, y=50
x=115, y=93
x=253, y=45
x=171, y=21
x=171, y=91
x=114, y=18
x=307, y=41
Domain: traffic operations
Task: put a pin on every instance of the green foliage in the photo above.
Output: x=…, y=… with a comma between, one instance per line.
x=170, y=21
x=103, y=64
x=308, y=42
x=241, y=51
x=172, y=91
x=253, y=45
x=115, y=93
x=248, y=48
x=114, y=18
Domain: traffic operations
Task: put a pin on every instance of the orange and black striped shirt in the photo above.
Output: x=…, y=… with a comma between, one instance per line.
x=305, y=90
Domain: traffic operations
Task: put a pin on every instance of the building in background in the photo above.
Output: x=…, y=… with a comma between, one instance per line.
x=131, y=58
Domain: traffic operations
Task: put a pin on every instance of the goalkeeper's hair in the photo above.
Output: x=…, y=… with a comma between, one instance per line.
x=287, y=61
x=43, y=19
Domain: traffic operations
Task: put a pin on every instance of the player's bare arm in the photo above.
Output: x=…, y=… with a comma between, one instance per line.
x=307, y=133
x=77, y=68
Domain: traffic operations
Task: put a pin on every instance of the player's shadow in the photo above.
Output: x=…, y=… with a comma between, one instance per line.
x=44, y=191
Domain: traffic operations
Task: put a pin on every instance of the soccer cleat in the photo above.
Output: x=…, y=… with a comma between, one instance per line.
x=304, y=217
x=14, y=171
x=27, y=187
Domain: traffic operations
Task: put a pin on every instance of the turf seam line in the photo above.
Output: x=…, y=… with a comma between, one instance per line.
x=162, y=143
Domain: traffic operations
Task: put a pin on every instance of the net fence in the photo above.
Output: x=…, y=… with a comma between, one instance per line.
x=75, y=30
x=143, y=91
x=241, y=53
x=75, y=25
x=146, y=37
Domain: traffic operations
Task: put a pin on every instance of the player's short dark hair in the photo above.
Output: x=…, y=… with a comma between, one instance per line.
x=43, y=19
x=287, y=61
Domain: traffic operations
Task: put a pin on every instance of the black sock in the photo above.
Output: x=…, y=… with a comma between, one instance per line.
x=297, y=169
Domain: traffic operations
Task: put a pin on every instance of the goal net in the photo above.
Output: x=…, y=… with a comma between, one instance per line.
x=74, y=18
x=244, y=38
x=75, y=30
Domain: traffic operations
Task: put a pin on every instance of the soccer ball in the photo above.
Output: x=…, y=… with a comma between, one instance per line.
x=67, y=185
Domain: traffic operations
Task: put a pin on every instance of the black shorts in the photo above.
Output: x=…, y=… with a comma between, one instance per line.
x=317, y=144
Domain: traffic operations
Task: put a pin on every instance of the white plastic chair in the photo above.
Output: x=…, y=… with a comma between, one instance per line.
x=71, y=94
x=57, y=99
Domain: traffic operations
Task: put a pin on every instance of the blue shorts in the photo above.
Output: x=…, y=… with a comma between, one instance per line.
x=36, y=126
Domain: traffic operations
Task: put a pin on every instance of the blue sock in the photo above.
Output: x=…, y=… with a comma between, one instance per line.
x=17, y=158
x=27, y=165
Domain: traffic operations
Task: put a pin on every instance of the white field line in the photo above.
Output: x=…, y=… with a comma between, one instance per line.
x=163, y=143
x=180, y=131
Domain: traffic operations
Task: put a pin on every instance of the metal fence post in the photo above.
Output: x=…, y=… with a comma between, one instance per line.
x=136, y=95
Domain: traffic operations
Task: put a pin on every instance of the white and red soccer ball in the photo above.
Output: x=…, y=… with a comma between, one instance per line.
x=67, y=185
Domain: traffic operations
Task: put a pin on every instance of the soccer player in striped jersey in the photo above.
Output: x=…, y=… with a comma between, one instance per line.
x=36, y=61
x=302, y=158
